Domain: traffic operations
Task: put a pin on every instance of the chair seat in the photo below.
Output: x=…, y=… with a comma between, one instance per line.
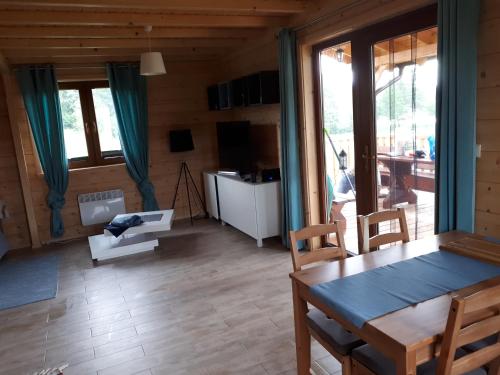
x=332, y=332
x=381, y=365
x=474, y=346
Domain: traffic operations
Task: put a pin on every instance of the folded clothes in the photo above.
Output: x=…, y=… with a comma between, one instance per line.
x=120, y=225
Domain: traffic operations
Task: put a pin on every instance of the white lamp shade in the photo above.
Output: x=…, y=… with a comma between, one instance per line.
x=152, y=64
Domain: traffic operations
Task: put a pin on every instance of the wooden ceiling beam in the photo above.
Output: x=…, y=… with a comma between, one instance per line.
x=114, y=43
x=124, y=32
x=75, y=60
x=257, y=6
x=36, y=17
x=74, y=52
x=424, y=52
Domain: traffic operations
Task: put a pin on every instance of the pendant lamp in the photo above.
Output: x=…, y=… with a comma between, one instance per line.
x=151, y=62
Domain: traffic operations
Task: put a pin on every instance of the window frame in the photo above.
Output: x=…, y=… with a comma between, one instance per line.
x=95, y=155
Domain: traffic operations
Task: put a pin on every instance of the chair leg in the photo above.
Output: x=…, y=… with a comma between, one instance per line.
x=494, y=367
x=359, y=369
x=346, y=365
x=302, y=336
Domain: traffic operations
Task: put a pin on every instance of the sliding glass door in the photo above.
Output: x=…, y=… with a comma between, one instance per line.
x=338, y=133
x=405, y=81
x=376, y=92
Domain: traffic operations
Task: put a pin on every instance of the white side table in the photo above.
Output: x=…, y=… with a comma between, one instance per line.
x=134, y=240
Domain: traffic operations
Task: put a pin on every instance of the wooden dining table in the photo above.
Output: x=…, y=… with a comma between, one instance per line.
x=410, y=336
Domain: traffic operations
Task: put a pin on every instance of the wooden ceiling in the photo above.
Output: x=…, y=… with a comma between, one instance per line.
x=95, y=31
x=424, y=47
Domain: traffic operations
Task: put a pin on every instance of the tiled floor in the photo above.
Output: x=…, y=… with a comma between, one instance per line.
x=208, y=301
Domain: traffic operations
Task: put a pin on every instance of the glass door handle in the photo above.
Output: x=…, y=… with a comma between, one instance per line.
x=367, y=158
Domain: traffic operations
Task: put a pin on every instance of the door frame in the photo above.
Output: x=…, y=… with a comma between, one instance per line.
x=362, y=41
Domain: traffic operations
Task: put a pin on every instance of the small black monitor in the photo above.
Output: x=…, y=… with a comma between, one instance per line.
x=181, y=140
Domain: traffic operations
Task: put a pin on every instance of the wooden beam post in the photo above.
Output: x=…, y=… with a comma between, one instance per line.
x=8, y=82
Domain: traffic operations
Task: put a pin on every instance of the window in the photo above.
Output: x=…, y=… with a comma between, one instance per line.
x=91, y=134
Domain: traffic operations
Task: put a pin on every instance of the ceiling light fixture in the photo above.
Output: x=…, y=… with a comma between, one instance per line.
x=340, y=55
x=151, y=62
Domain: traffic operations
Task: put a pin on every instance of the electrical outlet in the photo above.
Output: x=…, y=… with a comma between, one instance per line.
x=478, y=151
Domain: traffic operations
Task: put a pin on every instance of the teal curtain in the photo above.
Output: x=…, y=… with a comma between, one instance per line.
x=129, y=91
x=291, y=182
x=40, y=93
x=456, y=110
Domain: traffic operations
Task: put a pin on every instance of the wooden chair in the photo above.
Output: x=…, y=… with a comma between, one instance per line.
x=367, y=243
x=306, y=257
x=472, y=319
x=331, y=335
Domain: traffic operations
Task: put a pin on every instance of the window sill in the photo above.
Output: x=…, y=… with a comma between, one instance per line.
x=95, y=168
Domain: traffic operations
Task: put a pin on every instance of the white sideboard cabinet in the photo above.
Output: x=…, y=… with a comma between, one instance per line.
x=253, y=208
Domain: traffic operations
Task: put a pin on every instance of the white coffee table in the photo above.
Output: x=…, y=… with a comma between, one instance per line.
x=135, y=239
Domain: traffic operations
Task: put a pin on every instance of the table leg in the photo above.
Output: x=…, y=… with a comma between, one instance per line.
x=407, y=363
x=302, y=337
x=399, y=195
x=336, y=214
x=399, y=190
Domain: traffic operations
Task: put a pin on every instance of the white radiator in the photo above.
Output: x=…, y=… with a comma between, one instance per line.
x=101, y=207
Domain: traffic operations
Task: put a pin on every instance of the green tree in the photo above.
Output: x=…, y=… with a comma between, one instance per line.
x=70, y=108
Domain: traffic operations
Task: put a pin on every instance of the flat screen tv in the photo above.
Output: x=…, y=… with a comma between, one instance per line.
x=234, y=146
x=181, y=140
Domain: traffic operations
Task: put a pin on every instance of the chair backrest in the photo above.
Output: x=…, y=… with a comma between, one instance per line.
x=310, y=256
x=472, y=318
x=366, y=243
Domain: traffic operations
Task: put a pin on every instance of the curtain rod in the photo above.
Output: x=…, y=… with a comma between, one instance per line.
x=327, y=15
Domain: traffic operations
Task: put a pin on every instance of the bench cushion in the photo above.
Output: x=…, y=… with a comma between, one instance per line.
x=332, y=332
x=380, y=364
x=490, y=340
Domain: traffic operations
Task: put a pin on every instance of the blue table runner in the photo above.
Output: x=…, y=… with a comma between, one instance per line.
x=371, y=294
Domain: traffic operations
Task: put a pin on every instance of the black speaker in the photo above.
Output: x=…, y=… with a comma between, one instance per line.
x=181, y=140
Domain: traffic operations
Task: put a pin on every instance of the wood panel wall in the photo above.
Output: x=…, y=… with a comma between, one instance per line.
x=488, y=121
x=16, y=226
x=177, y=100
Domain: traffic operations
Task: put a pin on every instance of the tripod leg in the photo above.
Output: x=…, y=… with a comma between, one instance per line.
x=177, y=186
x=187, y=190
x=197, y=191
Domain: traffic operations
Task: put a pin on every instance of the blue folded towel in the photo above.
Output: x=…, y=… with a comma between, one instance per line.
x=120, y=225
